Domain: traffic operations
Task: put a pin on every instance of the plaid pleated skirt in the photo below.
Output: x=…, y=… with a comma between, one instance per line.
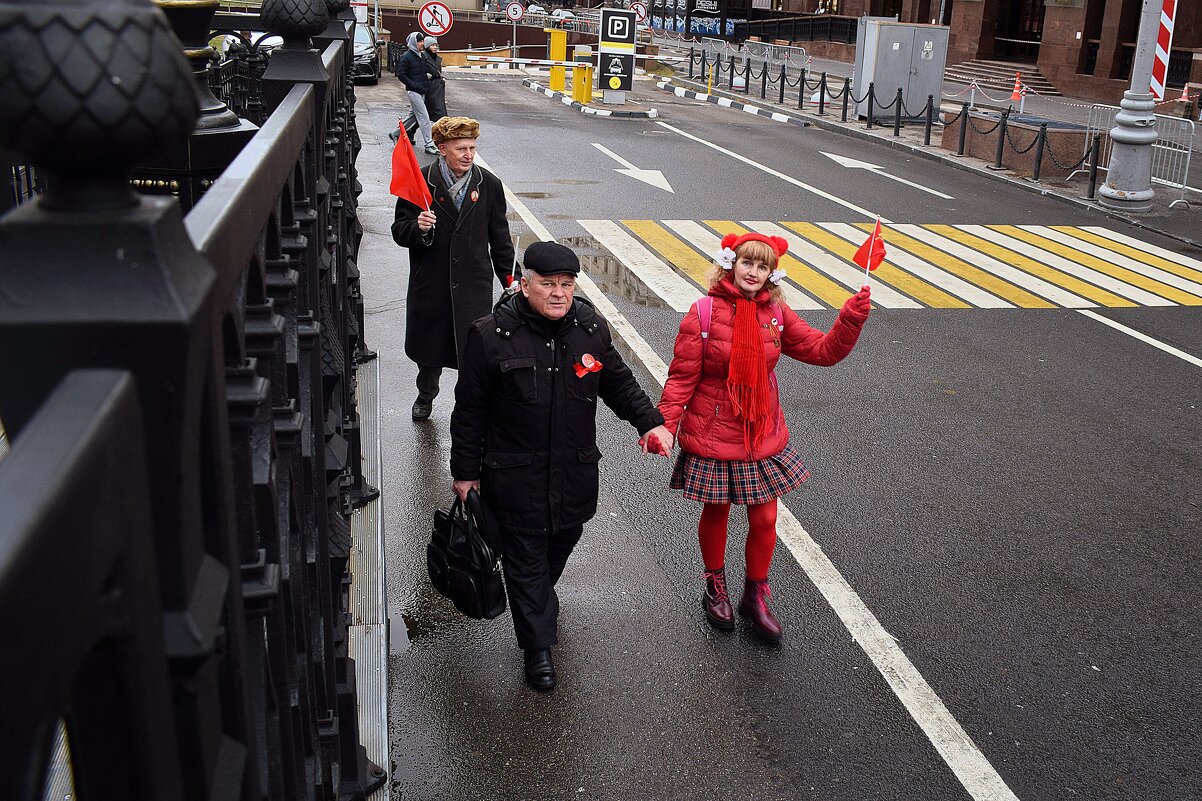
x=717, y=481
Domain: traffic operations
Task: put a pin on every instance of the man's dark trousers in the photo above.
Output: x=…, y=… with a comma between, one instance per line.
x=533, y=563
x=427, y=382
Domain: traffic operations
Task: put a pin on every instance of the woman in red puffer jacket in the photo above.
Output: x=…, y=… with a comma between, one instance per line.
x=722, y=403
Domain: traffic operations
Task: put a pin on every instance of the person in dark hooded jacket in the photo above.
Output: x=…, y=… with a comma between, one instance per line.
x=524, y=433
x=414, y=72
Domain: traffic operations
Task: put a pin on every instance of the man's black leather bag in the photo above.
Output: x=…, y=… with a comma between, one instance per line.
x=463, y=561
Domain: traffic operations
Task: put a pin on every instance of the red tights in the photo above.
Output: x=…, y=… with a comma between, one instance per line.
x=761, y=538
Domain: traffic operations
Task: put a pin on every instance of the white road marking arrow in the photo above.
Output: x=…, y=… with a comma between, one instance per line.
x=653, y=177
x=877, y=170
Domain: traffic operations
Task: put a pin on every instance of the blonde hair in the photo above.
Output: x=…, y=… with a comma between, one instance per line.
x=449, y=128
x=755, y=251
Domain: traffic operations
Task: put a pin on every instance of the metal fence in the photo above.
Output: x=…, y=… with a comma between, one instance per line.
x=1171, y=153
x=180, y=396
x=826, y=28
x=775, y=55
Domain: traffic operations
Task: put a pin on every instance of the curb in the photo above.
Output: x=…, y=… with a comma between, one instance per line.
x=952, y=161
x=727, y=102
x=583, y=109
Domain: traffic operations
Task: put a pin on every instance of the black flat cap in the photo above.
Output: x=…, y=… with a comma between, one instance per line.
x=551, y=258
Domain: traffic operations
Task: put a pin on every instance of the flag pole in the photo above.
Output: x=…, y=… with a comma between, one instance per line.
x=513, y=272
x=871, y=246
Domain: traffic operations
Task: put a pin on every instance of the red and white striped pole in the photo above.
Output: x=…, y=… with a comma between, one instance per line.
x=1164, y=46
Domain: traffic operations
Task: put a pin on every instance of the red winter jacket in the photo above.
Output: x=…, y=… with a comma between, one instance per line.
x=695, y=404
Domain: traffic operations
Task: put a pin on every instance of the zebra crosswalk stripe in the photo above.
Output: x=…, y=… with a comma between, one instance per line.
x=676, y=291
x=848, y=275
x=676, y=252
x=923, y=293
x=1121, y=259
x=930, y=272
x=1000, y=236
x=1164, y=259
x=1104, y=266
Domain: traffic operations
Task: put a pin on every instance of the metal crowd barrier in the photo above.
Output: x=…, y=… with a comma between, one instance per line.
x=1171, y=154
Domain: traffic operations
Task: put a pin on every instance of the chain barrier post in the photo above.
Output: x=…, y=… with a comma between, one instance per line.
x=783, y=81
x=1094, y=150
x=1043, y=135
x=692, y=55
x=747, y=77
x=801, y=89
x=897, y=115
x=822, y=95
x=871, y=101
x=846, y=96
x=972, y=94
x=1001, y=139
x=763, y=80
x=926, y=135
x=963, y=129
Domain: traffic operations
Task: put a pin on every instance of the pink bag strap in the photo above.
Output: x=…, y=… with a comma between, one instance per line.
x=705, y=309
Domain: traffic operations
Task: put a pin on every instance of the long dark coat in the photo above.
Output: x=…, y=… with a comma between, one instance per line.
x=451, y=268
x=524, y=423
x=436, y=95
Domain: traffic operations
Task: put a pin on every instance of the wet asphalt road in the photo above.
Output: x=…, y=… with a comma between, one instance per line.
x=1013, y=493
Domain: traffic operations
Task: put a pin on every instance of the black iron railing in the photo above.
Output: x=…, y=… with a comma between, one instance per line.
x=799, y=29
x=180, y=394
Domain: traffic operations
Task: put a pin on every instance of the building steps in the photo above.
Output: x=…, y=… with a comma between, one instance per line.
x=996, y=75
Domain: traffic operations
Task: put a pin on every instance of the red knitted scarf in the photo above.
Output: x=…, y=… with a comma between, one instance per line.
x=747, y=381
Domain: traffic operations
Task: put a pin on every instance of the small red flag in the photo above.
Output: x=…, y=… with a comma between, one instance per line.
x=407, y=179
x=872, y=252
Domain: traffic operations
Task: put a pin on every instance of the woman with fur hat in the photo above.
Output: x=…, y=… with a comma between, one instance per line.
x=722, y=403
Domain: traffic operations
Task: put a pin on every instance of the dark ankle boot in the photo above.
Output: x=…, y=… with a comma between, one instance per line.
x=716, y=600
x=754, y=607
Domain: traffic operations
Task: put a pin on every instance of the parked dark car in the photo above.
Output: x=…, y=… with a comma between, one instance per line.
x=367, y=54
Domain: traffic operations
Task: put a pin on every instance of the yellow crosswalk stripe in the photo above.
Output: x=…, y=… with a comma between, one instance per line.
x=677, y=253
x=1071, y=283
x=800, y=273
x=1144, y=256
x=899, y=279
x=1102, y=266
x=961, y=268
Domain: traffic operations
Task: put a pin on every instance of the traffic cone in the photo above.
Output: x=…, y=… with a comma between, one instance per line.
x=1017, y=94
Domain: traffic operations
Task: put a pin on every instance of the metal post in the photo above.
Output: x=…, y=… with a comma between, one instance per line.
x=747, y=77
x=972, y=94
x=897, y=114
x=1001, y=139
x=871, y=99
x=763, y=79
x=704, y=65
x=926, y=136
x=692, y=51
x=1039, y=142
x=963, y=129
x=822, y=94
x=801, y=89
x=846, y=96
x=781, y=99
x=1094, y=151
x=1129, y=177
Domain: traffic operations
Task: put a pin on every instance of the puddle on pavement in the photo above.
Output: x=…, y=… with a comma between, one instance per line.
x=610, y=274
x=403, y=631
x=534, y=195
x=573, y=181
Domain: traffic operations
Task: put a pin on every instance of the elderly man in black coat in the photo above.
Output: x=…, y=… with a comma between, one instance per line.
x=524, y=433
x=456, y=247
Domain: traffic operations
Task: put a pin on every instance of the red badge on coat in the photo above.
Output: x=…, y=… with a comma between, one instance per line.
x=586, y=365
x=475, y=195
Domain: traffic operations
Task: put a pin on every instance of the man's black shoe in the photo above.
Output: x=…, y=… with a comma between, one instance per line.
x=540, y=670
x=422, y=409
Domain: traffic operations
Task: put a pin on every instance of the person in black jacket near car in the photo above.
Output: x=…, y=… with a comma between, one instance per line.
x=524, y=433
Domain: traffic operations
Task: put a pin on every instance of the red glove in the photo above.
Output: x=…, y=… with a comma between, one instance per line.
x=857, y=305
x=654, y=445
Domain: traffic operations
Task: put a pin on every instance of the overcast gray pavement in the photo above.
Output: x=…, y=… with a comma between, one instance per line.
x=1013, y=494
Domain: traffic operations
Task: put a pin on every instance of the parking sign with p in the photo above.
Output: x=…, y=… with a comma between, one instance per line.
x=616, y=49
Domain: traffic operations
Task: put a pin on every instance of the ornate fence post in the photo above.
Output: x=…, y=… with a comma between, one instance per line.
x=117, y=282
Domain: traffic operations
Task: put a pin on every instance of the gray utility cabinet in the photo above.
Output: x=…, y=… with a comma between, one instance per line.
x=892, y=55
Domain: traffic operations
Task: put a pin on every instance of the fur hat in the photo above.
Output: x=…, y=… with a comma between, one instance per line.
x=454, y=128
x=778, y=244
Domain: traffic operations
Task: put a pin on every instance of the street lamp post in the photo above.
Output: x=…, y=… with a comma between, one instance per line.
x=1129, y=178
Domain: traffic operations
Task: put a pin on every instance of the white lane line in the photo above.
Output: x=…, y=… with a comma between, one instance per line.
x=924, y=705
x=1115, y=236
x=1115, y=258
x=775, y=173
x=923, y=269
x=1109, y=283
x=618, y=323
x=661, y=279
x=1131, y=332
x=1007, y=272
x=833, y=267
x=707, y=241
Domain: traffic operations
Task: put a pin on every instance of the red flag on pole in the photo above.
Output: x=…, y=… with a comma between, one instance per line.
x=872, y=252
x=407, y=179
